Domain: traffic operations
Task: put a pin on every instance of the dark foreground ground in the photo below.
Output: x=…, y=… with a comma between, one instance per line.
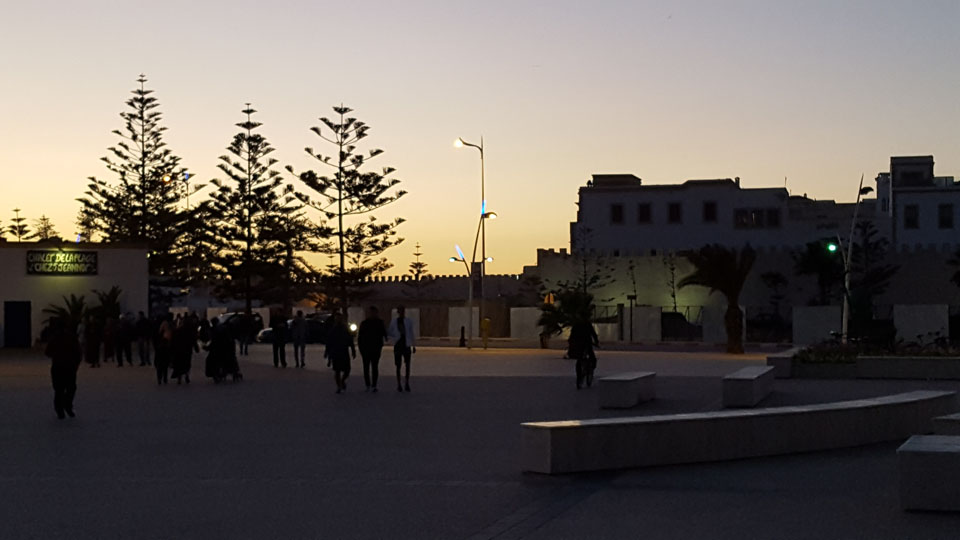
x=281, y=456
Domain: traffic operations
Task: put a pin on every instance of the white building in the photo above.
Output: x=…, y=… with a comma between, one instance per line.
x=916, y=209
x=620, y=216
x=34, y=275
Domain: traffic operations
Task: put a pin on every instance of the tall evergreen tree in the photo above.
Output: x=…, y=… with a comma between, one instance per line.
x=18, y=228
x=259, y=231
x=45, y=229
x=352, y=192
x=143, y=204
x=197, y=248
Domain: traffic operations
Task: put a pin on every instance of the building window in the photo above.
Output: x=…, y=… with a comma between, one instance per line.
x=756, y=218
x=945, y=216
x=911, y=216
x=643, y=213
x=710, y=212
x=616, y=214
x=674, y=213
x=773, y=218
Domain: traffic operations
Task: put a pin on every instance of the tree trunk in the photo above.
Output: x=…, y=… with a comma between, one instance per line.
x=733, y=320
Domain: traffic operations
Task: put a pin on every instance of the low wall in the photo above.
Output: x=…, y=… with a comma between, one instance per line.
x=868, y=367
x=646, y=325
x=921, y=323
x=459, y=316
x=523, y=323
x=618, y=443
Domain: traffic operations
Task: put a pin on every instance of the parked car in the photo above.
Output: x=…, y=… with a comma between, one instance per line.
x=232, y=321
x=316, y=329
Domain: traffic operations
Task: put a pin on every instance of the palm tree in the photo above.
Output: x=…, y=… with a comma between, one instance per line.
x=723, y=270
x=570, y=307
x=71, y=312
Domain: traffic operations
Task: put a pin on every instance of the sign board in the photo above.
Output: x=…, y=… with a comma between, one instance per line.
x=61, y=263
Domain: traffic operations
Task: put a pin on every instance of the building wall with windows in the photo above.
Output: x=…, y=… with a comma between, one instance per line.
x=38, y=274
x=917, y=209
x=620, y=216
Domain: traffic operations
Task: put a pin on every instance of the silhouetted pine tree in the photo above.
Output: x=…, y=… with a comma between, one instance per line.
x=259, y=227
x=142, y=205
x=352, y=192
x=197, y=248
x=45, y=229
x=18, y=228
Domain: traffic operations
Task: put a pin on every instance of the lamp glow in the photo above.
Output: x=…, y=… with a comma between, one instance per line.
x=458, y=143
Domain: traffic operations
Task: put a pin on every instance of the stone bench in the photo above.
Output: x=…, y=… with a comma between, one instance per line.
x=782, y=363
x=641, y=441
x=929, y=469
x=748, y=386
x=947, y=425
x=626, y=390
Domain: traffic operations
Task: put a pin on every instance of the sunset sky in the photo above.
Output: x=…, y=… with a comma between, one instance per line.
x=818, y=92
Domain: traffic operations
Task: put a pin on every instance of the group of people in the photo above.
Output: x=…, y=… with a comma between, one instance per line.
x=340, y=348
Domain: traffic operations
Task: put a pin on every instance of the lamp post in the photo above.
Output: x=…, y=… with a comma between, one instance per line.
x=845, y=321
x=459, y=143
x=469, y=265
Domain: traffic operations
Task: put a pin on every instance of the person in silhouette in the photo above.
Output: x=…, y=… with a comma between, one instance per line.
x=298, y=334
x=164, y=346
x=244, y=333
x=143, y=329
x=183, y=346
x=583, y=338
x=485, y=325
x=110, y=339
x=279, y=326
x=222, y=356
x=402, y=333
x=339, y=350
x=370, y=339
x=65, y=354
x=91, y=341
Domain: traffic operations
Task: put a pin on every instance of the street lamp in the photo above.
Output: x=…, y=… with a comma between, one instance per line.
x=845, y=323
x=460, y=143
x=469, y=265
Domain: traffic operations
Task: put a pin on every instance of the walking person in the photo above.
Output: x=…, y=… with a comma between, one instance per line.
x=279, y=327
x=222, y=357
x=298, y=333
x=143, y=329
x=583, y=338
x=163, y=345
x=339, y=350
x=65, y=355
x=244, y=333
x=402, y=333
x=370, y=338
x=183, y=346
x=91, y=341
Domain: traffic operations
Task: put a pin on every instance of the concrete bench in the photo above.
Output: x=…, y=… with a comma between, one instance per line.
x=641, y=441
x=626, y=390
x=782, y=363
x=947, y=425
x=929, y=468
x=748, y=386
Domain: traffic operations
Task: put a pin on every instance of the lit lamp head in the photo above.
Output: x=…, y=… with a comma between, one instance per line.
x=832, y=247
x=458, y=143
x=489, y=259
x=166, y=178
x=490, y=215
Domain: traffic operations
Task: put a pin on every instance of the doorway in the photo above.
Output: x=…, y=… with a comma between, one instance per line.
x=16, y=324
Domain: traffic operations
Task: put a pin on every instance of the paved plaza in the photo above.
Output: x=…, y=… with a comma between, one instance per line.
x=280, y=455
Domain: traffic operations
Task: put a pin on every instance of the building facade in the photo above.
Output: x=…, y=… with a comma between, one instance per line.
x=36, y=275
x=620, y=216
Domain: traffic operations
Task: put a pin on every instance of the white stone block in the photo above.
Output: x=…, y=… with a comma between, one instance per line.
x=626, y=390
x=929, y=469
x=748, y=386
x=921, y=323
